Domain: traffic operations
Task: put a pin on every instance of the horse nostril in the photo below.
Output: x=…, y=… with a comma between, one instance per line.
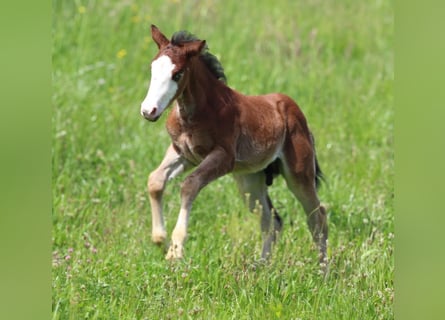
x=149, y=114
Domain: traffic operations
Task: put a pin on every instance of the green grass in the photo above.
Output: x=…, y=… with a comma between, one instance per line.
x=334, y=57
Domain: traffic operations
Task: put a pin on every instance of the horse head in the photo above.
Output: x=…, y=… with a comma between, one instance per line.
x=169, y=73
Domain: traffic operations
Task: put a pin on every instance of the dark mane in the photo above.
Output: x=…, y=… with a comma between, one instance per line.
x=209, y=59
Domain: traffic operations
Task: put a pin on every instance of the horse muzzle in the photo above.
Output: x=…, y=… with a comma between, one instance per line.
x=150, y=115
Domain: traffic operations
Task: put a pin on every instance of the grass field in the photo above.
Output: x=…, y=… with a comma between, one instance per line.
x=335, y=58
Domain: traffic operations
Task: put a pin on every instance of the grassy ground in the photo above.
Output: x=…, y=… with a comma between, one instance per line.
x=334, y=57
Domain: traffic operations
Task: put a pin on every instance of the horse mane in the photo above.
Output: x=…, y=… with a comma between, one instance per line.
x=209, y=59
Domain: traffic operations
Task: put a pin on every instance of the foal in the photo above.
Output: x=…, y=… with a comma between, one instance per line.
x=219, y=131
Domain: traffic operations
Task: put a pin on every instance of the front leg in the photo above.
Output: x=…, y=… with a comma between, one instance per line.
x=217, y=163
x=171, y=166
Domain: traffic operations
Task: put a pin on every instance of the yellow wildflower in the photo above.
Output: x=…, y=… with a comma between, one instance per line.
x=136, y=19
x=81, y=9
x=121, y=53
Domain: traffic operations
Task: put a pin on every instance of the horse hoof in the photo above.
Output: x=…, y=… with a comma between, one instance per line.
x=159, y=238
x=174, y=253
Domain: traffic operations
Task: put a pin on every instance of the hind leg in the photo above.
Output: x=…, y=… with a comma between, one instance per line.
x=276, y=229
x=299, y=172
x=254, y=188
x=315, y=212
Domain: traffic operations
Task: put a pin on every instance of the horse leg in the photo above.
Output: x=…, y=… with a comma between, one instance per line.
x=315, y=212
x=215, y=165
x=171, y=166
x=277, y=227
x=253, y=186
x=299, y=173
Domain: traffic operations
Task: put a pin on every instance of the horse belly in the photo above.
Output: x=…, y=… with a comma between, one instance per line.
x=253, y=156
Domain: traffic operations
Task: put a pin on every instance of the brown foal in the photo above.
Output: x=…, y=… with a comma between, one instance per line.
x=218, y=131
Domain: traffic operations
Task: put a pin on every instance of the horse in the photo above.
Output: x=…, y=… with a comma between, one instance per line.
x=218, y=131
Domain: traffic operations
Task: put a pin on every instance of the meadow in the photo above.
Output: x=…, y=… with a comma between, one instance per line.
x=335, y=58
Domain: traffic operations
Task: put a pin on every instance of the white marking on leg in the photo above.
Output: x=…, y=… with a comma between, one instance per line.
x=171, y=166
x=176, y=250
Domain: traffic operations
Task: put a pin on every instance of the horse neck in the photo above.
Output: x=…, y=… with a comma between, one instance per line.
x=203, y=91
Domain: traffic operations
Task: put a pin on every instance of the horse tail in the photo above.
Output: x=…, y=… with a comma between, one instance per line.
x=319, y=176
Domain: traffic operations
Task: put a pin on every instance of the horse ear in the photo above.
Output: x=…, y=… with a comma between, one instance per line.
x=158, y=37
x=195, y=47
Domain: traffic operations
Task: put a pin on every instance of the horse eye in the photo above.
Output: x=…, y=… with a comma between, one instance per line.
x=177, y=76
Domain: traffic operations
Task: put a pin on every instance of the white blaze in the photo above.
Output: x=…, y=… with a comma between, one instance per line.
x=162, y=88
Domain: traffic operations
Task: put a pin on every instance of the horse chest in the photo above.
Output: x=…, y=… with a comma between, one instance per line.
x=193, y=146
